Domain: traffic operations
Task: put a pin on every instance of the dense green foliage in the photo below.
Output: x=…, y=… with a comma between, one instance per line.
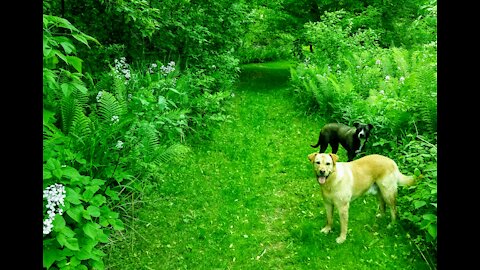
x=106, y=135
x=127, y=82
x=349, y=78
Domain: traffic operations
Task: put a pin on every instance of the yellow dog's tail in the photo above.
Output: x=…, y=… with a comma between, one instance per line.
x=405, y=180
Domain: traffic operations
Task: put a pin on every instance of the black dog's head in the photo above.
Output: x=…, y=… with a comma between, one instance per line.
x=362, y=130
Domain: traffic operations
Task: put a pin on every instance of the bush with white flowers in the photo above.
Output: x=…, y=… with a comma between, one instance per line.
x=55, y=195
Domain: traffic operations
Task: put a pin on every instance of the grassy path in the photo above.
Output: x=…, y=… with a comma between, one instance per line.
x=247, y=199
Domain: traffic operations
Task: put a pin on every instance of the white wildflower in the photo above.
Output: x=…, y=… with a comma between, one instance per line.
x=99, y=96
x=122, y=68
x=55, y=195
x=119, y=145
x=402, y=80
x=115, y=119
x=378, y=62
x=381, y=92
x=169, y=68
x=387, y=78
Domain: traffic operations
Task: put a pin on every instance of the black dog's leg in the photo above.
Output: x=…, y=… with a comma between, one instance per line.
x=334, y=147
x=323, y=147
x=351, y=155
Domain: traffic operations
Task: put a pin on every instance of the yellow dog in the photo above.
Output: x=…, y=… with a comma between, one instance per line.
x=342, y=182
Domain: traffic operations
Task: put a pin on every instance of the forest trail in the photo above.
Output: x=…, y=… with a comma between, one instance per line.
x=247, y=198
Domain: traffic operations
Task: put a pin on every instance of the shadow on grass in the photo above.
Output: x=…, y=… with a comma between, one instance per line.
x=264, y=76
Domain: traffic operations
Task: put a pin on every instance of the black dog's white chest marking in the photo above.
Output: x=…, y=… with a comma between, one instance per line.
x=362, y=143
x=363, y=139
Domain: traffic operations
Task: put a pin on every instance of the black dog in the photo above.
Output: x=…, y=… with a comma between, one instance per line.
x=353, y=139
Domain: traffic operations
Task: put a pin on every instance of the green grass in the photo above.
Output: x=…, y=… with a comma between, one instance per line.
x=247, y=198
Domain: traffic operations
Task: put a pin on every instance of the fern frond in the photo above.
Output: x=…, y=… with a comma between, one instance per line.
x=68, y=108
x=148, y=141
x=175, y=152
x=109, y=106
x=120, y=91
x=81, y=126
x=400, y=57
x=81, y=98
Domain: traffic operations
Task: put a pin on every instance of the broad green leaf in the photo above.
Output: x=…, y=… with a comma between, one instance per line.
x=102, y=237
x=75, y=62
x=89, y=192
x=429, y=217
x=85, y=38
x=70, y=173
x=117, y=224
x=93, y=211
x=80, y=87
x=46, y=175
x=112, y=194
x=67, y=47
x=86, y=215
x=67, y=232
x=98, y=265
x=103, y=221
x=60, y=55
x=63, y=41
x=50, y=255
x=98, y=200
x=72, y=196
x=91, y=230
x=416, y=172
x=58, y=21
x=66, y=89
x=72, y=243
x=48, y=116
x=432, y=230
x=76, y=213
x=61, y=239
x=80, y=38
x=419, y=204
x=74, y=262
x=98, y=182
x=53, y=164
x=58, y=223
x=98, y=252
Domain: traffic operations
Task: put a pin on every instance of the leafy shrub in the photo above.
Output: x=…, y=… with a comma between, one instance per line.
x=394, y=89
x=105, y=138
x=88, y=222
x=332, y=40
x=416, y=155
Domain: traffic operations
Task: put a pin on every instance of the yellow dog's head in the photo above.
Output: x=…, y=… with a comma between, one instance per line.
x=323, y=165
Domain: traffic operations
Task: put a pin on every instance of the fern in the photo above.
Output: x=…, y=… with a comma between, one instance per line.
x=69, y=108
x=172, y=153
x=400, y=56
x=120, y=91
x=109, y=107
x=81, y=126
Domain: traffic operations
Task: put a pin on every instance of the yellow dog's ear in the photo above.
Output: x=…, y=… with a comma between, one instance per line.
x=334, y=157
x=311, y=157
